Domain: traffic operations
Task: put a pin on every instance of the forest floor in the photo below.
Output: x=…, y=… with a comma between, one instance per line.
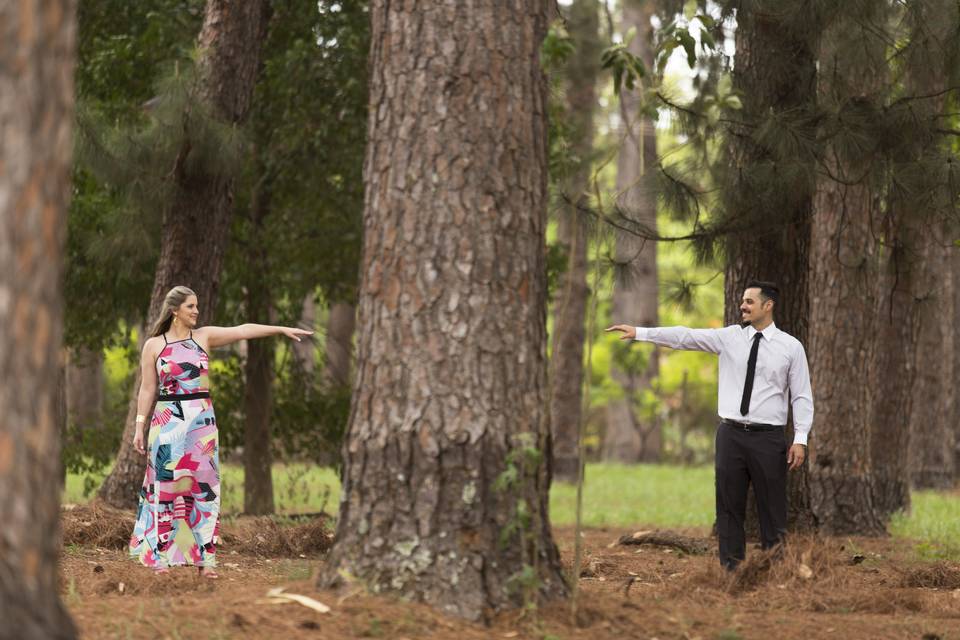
x=849, y=588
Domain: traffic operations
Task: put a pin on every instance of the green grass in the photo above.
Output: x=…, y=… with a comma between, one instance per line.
x=634, y=495
x=934, y=522
x=618, y=496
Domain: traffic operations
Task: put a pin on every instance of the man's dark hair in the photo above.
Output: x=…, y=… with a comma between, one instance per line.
x=768, y=290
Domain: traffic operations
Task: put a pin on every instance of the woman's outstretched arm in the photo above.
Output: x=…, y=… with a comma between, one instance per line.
x=219, y=336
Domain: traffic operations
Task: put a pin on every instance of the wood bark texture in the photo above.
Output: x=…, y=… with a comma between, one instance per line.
x=635, y=295
x=931, y=420
x=197, y=221
x=775, y=72
x=843, y=286
x=341, y=324
x=85, y=387
x=37, y=56
x=452, y=322
x=897, y=323
x=258, y=374
x=573, y=293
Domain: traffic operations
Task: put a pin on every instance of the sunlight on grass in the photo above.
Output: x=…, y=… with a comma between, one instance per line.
x=618, y=496
x=638, y=495
x=934, y=522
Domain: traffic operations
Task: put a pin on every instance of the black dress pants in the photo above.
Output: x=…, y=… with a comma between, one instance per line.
x=744, y=458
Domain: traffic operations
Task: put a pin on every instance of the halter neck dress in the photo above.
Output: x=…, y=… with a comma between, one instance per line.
x=178, y=519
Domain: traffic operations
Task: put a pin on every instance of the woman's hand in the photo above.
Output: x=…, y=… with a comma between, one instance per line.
x=295, y=333
x=138, y=440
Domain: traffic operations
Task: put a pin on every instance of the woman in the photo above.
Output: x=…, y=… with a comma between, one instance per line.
x=178, y=520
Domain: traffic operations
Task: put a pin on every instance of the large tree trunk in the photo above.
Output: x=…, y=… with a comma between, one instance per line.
x=341, y=322
x=775, y=74
x=197, y=222
x=635, y=296
x=451, y=388
x=843, y=283
x=84, y=387
x=931, y=419
x=570, y=309
x=37, y=53
x=258, y=374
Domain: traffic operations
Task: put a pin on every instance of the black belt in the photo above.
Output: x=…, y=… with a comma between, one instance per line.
x=173, y=397
x=743, y=426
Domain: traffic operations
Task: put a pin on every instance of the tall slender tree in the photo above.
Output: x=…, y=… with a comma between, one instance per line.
x=932, y=431
x=444, y=486
x=627, y=437
x=930, y=65
x=842, y=273
x=37, y=54
x=570, y=308
x=197, y=219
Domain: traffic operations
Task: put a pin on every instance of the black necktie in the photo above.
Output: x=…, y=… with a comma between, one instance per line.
x=751, y=369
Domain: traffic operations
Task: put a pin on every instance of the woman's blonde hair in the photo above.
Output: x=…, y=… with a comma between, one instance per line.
x=171, y=302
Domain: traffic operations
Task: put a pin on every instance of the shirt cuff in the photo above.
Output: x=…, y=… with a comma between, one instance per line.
x=800, y=437
x=641, y=333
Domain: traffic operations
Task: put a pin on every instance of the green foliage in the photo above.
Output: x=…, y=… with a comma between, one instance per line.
x=123, y=49
x=298, y=226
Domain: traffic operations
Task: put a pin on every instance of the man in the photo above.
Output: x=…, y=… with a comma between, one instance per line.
x=759, y=366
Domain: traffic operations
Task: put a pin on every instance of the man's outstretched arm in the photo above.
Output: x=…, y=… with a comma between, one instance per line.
x=710, y=340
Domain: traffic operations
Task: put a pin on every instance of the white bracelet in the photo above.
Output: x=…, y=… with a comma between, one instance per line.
x=141, y=418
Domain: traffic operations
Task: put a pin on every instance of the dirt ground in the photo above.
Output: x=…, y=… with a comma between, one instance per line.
x=850, y=589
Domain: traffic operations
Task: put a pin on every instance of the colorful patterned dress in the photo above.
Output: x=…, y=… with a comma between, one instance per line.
x=178, y=520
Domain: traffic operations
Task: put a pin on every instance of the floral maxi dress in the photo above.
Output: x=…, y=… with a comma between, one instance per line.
x=178, y=520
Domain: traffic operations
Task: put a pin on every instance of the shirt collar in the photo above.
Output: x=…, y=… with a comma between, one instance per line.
x=768, y=333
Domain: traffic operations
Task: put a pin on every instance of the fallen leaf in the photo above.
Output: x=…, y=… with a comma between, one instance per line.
x=308, y=602
x=804, y=571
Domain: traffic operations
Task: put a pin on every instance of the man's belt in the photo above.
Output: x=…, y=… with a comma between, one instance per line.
x=744, y=426
x=174, y=397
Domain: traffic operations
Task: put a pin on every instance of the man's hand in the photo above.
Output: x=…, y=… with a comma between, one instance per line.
x=796, y=455
x=629, y=333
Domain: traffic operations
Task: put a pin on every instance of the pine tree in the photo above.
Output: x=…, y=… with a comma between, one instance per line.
x=444, y=481
x=570, y=307
x=37, y=55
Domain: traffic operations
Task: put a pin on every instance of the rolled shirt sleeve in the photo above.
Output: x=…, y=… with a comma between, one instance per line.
x=801, y=396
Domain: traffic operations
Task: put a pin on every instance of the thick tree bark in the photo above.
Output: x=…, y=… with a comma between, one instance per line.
x=931, y=419
x=570, y=308
x=197, y=222
x=84, y=387
x=451, y=386
x=635, y=295
x=341, y=323
x=37, y=54
x=843, y=286
x=775, y=73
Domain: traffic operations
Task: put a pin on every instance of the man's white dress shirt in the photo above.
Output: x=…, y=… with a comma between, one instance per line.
x=781, y=370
